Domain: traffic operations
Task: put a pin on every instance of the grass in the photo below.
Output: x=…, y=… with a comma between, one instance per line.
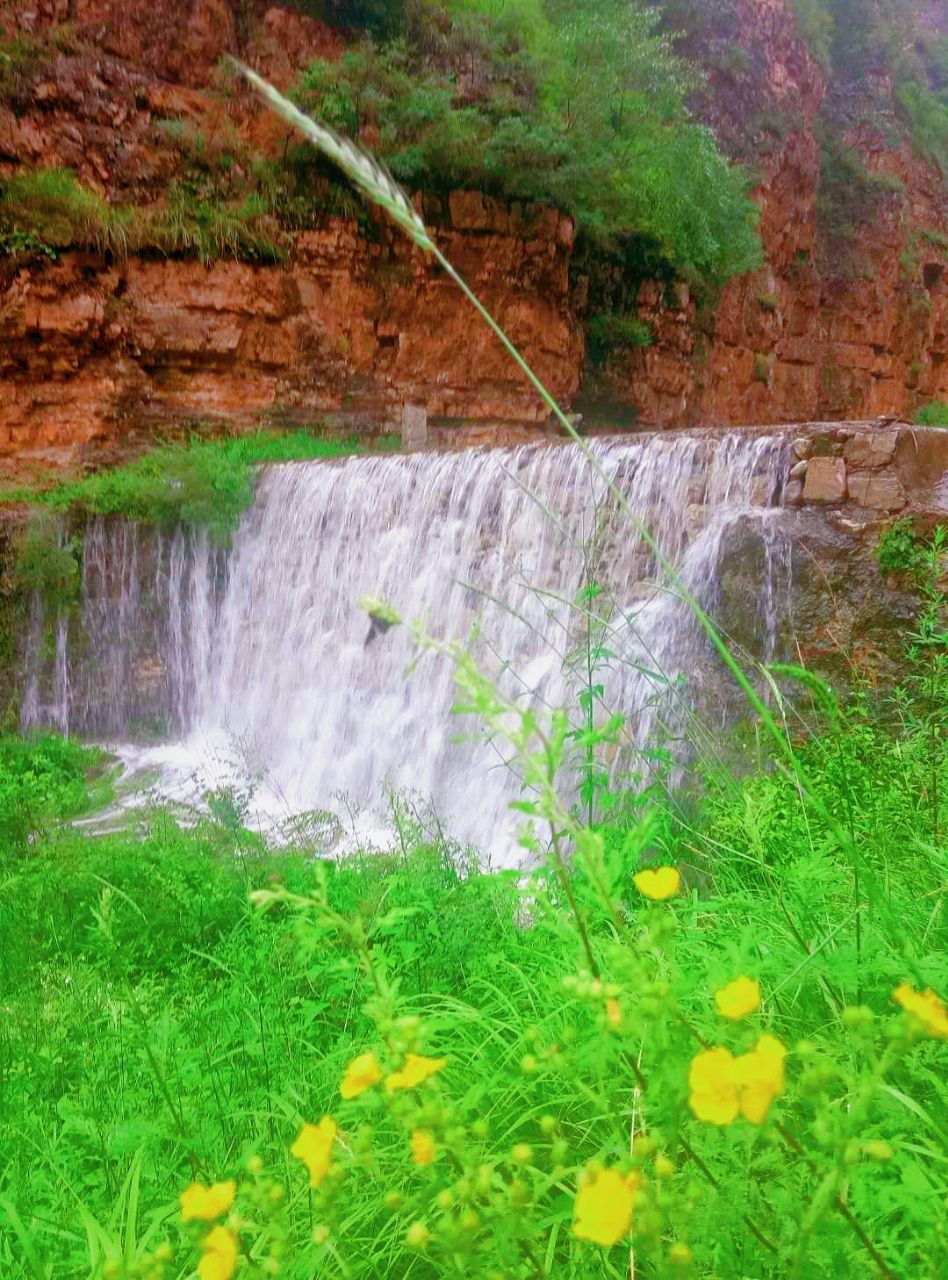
x=206, y=482
x=159, y=1027
x=46, y=211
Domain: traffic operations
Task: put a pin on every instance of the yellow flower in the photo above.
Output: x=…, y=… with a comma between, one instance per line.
x=738, y=998
x=361, y=1074
x=661, y=883
x=603, y=1209
x=761, y=1077
x=206, y=1203
x=723, y=1087
x=712, y=1082
x=219, y=1256
x=423, y=1149
x=925, y=1007
x=314, y=1148
x=613, y=1012
x=415, y=1070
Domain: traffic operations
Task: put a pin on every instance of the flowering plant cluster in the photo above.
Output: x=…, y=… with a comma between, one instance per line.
x=601, y=1158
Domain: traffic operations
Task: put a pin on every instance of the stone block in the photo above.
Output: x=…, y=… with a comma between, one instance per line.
x=799, y=469
x=802, y=447
x=825, y=480
x=414, y=426
x=878, y=490
x=867, y=449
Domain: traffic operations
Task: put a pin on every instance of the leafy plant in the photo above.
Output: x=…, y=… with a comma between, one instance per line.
x=933, y=414
x=608, y=333
x=617, y=149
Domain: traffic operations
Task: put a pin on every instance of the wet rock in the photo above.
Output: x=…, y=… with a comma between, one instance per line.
x=825, y=480
x=793, y=493
x=868, y=449
x=880, y=491
x=799, y=469
x=802, y=447
x=696, y=517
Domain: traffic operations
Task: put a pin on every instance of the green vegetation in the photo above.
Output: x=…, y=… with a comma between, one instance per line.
x=697, y=1038
x=48, y=561
x=850, y=197
x=585, y=109
x=42, y=782
x=816, y=24
x=180, y=1000
x=21, y=61
x=609, y=333
x=55, y=211
x=934, y=414
x=206, y=482
x=47, y=210
x=852, y=38
x=928, y=112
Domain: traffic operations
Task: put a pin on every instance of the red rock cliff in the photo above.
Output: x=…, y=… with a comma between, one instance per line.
x=353, y=322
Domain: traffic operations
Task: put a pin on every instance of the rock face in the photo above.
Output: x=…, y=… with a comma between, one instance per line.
x=829, y=328
x=355, y=323
x=350, y=324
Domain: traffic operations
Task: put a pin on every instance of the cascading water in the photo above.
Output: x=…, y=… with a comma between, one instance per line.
x=263, y=655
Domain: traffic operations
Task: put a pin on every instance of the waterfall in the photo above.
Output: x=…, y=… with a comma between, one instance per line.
x=263, y=653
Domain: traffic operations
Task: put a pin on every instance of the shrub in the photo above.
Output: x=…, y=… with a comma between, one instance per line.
x=608, y=333
x=473, y=100
x=934, y=414
x=48, y=561
x=850, y=196
x=816, y=24
x=928, y=115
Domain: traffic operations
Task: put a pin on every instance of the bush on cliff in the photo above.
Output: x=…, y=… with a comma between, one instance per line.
x=583, y=107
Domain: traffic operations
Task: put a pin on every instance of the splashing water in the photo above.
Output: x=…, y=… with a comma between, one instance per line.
x=260, y=660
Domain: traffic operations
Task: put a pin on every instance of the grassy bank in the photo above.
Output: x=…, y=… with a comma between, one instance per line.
x=203, y=482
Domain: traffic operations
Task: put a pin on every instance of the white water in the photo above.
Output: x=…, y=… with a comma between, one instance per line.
x=263, y=663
